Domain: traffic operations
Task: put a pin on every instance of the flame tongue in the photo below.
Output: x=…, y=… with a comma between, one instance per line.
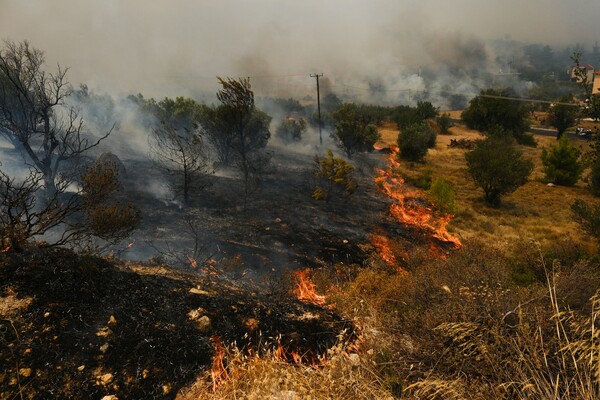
x=409, y=208
x=218, y=372
x=305, y=288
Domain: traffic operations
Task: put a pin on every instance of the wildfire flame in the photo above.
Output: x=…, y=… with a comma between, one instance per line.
x=192, y=261
x=6, y=249
x=408, y=207
x=218, y=372
x=305, y=288
x=382, y=245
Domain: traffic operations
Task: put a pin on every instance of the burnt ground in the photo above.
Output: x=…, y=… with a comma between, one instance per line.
x=83, y=327
x=76, y=326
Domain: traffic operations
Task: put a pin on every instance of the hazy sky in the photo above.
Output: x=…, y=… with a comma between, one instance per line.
x=168, y=47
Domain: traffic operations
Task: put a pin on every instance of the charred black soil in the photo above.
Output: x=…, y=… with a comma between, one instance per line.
x=77, y=326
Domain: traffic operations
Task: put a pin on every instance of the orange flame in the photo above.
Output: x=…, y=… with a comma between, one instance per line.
x=382, y=245
x=305, y=288
x=192, y=261
x=409, y=207
x=6, y=249
x=218, y=372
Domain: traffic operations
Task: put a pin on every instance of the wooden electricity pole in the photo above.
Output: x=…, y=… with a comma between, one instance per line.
x=318, y=104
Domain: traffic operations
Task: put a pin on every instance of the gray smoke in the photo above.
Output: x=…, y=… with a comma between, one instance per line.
x=168, y=48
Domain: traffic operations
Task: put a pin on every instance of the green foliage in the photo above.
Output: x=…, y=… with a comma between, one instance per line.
x=414, y=141
x=593, y=110
x=487, y=111
x=562, y=116
x=291, y=129
x=588, y=216
x=353, y=131
x=334, y=175
x=405, y=116
x=441, y=195
x=445, y=123
x=562, y=164
x=497, y=166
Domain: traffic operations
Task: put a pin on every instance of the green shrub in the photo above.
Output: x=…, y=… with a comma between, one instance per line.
x=334, y=174
x=441, y=195
x=445, y=123
x=414, y=141
x=497, y=166
x=562, y=163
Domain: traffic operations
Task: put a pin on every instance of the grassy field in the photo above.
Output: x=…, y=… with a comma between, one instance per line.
x=535, y=212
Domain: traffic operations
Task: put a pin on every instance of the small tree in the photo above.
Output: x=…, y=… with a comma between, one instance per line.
x=498, y=167
x=291, y=129
x=562, y=163
x=593, y=110
x=352, y=131
x=249, y=128
x=490, y=110
x=445, y=123
x=414, y=141
x=181, y=154
x=441, y=194
x=334, y=175
x=562, y=116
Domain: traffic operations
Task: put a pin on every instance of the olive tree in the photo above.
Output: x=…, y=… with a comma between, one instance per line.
x=353, y=132
x=498, y=167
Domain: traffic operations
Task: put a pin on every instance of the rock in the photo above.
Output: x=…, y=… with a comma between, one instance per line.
x=81, y=368
x=550, y=184
x=201, y=320
x=277, y=220
x=106, y=378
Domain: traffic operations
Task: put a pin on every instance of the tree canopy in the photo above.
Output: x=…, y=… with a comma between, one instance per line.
x=353, y=132
x=498, y=167
x=490, y=110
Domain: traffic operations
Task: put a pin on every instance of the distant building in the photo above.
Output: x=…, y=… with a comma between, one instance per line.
x=596, y=85
x=578, y=76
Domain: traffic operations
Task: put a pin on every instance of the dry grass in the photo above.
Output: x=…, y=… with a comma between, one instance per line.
x=344, y=375
x=534, y=212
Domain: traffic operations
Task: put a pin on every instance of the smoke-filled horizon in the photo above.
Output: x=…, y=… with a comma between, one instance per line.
x=167, y=48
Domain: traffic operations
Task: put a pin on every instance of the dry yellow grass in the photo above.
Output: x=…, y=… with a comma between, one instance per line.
x=535, y=211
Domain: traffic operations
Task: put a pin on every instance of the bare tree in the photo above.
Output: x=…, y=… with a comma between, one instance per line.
x=181, y=154
x=86, y=217
x=33, y=114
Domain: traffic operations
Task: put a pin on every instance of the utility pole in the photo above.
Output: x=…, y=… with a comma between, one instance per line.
x=315, y=75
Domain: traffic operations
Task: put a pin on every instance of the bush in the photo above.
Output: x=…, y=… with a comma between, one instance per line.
x=562, y=163
x=441, y=195
x=445, y=123
x=497, y=166
x=291, y=129
x=334, y=175
x=414, y=140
